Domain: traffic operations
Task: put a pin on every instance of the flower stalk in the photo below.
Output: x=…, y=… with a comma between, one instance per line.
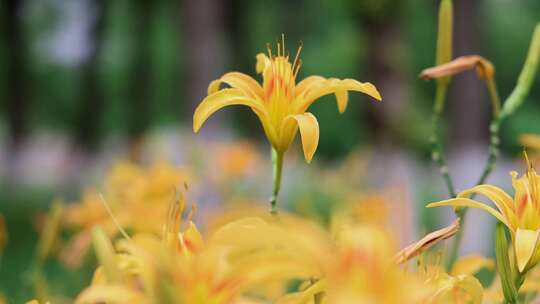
x=493, y=152
x=277, y=164
x=443, y=55
x=436, y=145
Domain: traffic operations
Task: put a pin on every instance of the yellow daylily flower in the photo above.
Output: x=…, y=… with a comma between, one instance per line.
x=521, y=214
x=459, y=285
x=471, y=264
x=280, y=103
x=132, y=192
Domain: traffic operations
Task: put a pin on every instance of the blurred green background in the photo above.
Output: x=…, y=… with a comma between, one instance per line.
x=82, y=76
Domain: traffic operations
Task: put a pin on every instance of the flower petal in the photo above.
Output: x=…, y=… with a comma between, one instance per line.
x=309, y=131
x=240, y=81
x=262, y=62
x=338, y=87
x=220, y=99
x=308, y=83
x=502, y=200
x=466, y=202
x=525, y=245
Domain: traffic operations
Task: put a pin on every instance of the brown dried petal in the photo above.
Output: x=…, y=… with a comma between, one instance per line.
x=484, y=68
x=426, y=242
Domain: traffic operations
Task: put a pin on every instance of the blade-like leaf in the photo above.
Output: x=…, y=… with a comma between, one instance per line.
x=503, y=265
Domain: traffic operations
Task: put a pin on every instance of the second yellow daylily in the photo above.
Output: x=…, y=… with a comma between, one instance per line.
x=280, y=103
x=521, y=214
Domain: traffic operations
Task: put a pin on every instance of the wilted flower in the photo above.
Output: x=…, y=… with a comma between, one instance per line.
x=484, y=68
x=280, y=103
x=426, y=242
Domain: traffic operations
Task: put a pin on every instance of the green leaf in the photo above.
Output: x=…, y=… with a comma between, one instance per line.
x=503, y=265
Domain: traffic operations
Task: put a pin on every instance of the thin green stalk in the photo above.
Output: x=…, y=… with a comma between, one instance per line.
x=526, y=77
x=436, y=146
x=493, y=152
x=494, y=97
x=277, y=164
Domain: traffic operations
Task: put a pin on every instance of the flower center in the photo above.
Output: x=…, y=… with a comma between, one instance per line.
x=279, y=82
x=280, y=75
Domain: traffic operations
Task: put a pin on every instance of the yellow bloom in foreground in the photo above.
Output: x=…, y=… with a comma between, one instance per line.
x=458, y=286
x=280, y=103
x=531, y=141
x=521, y=215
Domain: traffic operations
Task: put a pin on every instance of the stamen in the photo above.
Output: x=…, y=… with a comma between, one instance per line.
x=109, y=211
x=297, y=61
x=529, y=164
x=192, y=213
x=283, y=43
x=269, y=49
x=299, y=64
x=531, y=178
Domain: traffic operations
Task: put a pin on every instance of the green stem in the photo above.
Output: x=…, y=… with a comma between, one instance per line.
x=494, y=97
x=436, y=146
x=493, y=152
x=526, y=77
x=277, y=164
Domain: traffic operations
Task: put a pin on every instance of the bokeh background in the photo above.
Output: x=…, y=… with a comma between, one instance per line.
x=86, y=82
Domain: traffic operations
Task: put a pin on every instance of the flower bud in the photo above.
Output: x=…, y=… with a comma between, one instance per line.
x=444, y=36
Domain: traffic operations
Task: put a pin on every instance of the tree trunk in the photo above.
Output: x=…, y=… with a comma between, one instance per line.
x=17, y=86
x=88, y=119
x=16, y=89
x=468, y=102
x=139, y=95
x=202, y=24
x=385, y=118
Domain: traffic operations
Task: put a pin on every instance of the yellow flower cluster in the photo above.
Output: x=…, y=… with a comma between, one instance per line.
x=254, y=259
